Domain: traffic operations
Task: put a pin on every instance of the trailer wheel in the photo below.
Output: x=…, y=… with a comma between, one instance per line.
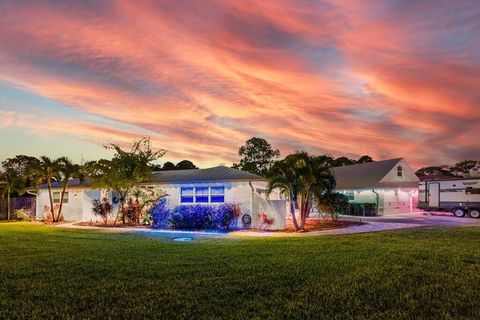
x=458, y=212
x=474, y=213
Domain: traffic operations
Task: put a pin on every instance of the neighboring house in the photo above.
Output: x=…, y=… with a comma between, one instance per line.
x=212, y=186
x=378, y=188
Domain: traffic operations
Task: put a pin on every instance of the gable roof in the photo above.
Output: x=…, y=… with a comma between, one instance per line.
x=220, y=173
x=368, y=175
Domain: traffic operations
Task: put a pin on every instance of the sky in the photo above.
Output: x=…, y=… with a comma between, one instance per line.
x=346, y=78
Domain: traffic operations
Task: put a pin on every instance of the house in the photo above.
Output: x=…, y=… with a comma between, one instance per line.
x=212, y=186
x=378, y=188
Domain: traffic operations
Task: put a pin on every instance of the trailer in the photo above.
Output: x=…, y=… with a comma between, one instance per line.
x=459, y=196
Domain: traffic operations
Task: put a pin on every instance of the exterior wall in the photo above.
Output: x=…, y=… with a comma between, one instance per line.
x=241, y=193
x=408, y=175
x=251, y=198
x=398, y=201
x=71, y=211
x=274, y=209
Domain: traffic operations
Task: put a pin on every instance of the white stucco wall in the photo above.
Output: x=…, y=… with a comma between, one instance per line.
x=71, y=211
x=79, y=207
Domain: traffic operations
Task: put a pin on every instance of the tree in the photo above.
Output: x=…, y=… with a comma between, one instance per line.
x=364, y=159
x=46, y=171
x=257, y=156
x=14, y=178
x=463, y=167
x=67, y=170
x=169, y=166
x=434, y=171
x=185, y=165
x=342, y=161
x=124, y=170
x=304, y=179
x=11, y=182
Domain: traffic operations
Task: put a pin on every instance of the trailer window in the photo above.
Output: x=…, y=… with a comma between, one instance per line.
x=470, y=190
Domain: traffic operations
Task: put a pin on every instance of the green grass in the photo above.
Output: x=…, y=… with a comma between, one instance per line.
x=417, y=273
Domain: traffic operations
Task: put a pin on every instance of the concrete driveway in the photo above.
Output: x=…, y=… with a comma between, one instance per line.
x=422, y=219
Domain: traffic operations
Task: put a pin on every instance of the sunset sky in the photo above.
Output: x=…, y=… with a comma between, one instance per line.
x=384, y=78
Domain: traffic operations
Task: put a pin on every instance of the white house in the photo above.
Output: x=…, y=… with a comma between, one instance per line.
x=212, y=186
x=378, y=188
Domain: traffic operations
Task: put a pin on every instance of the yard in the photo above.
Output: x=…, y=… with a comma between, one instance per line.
x=421, y=273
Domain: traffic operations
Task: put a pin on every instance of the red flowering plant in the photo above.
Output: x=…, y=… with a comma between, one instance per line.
x=265, y=221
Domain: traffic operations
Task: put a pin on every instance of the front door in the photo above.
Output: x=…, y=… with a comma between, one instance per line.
x=433, y=195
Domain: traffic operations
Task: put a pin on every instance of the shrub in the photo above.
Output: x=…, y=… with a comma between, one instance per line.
x=334, y=204
x=160, y=213
x=102, y=208
x=146, y=219
x=22, y=215
x=194, y=217
x=133, y=211
x=227, y=214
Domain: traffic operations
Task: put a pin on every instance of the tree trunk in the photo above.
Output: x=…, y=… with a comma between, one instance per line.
x=294, y=218
x=8, y=204
x=52, y=209
x=61, y=200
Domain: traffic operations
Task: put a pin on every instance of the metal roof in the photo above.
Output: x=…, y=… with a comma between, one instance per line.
x=368, y=175
x=72, y=183
x=220, y=173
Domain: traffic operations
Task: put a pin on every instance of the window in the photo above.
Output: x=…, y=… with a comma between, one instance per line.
x=470, y=190
x=58, y=195
x=399, y=171
x=201, y=194
x=186, y=195
x=217, y=194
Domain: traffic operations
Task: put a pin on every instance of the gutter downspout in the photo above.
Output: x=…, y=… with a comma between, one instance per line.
x=376, y=208
x=253, y=194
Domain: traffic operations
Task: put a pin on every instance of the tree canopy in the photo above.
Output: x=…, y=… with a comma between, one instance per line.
x=304, y=179
x=257, y=156
x=126, y=168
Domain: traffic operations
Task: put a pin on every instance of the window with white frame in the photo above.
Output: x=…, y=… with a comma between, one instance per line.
x=217, y=194
x=202, y=194
x=186, y=195
x=58, y=195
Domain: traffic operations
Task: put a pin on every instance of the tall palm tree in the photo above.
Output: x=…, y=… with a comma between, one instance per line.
x=303, y=178
x=46, y=171
x=10, y=182
x=67, y=170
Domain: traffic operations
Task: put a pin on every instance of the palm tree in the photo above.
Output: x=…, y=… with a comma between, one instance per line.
x=46, y=171
x=303, y=178
x=10, y=182
x=67, y=170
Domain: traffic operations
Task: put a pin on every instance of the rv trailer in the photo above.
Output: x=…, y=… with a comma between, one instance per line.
x=459, y=196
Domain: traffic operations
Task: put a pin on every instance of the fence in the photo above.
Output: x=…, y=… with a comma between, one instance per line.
x=27, y=203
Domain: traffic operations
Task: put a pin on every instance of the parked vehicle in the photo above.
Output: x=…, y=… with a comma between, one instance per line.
x=459, y=196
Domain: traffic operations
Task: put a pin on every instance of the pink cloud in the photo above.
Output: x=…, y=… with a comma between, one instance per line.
x=343, y=78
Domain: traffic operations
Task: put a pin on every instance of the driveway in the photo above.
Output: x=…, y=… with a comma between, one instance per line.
x=422, y=219
x=375, y=224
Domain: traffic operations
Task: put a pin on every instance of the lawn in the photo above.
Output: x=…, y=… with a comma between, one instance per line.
x=416, y=273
